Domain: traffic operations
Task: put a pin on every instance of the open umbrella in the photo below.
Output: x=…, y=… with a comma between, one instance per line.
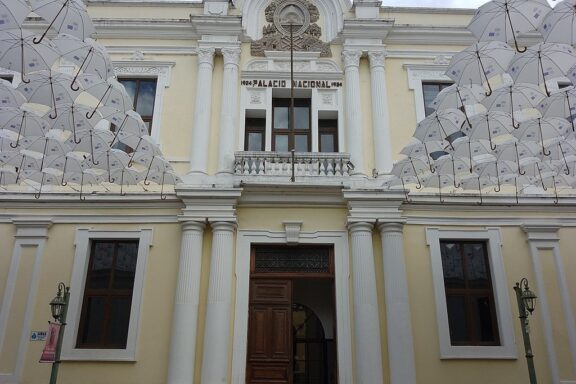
x=126, y=176
x=22, y=123
x=477, y=151
x=503, y=20
x=127, y=123
x=9, y=96
x=67, y=164
x=93, y=142
x=425, y=151
x=64, y=16
x=38, y=179
x=490, y=125
x=87, y=55
x=72, y=117
x=108, y=93
x=479, y=63
x=514, y=99
x=411, y=167
x=111, y=160
x=559, y=25
x=522, y=154
x=459, y=97
x=13, y=13
x=542, y=62
x=163, y=178
x=49, y=88
x=560, y=104
x=19, y=53
x=543, y=131
x=439, y=125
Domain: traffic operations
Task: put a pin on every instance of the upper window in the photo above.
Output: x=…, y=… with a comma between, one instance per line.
x=469, y=295
x=108, y=294
x=143, y=94
x=286, y=137
x=471, y=291
x=431, y=89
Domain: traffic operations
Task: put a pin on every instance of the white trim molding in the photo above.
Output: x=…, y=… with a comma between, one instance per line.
x=78, y=282
x=417, y=74
x=31, y=232
x=545, y=237
x=245, y=239
x=161, y=70
x=507, y=349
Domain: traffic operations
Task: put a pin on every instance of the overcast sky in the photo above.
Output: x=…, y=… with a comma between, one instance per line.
x=439, y=3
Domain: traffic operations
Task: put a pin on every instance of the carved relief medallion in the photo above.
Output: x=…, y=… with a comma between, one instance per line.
x=291, y=17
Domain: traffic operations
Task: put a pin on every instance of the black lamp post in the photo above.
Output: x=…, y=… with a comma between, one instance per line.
x=59, y=308
x=526, y=303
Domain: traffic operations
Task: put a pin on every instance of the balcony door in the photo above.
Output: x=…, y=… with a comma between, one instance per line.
x=284, y=138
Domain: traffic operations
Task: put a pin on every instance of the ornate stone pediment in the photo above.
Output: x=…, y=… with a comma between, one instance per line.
x=296, y=17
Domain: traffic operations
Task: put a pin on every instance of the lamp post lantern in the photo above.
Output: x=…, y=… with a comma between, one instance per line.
x=59, y=309
x=526, y=304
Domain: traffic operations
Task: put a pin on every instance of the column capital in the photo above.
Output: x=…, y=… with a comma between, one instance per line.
x=192, y=225
x=544, y=232
x=32, y=227
x=360, y=226
x=351, y=57
x=206, y=55
x=390, y=227
x=231, y=55
x=218, y=225
x=377, y=58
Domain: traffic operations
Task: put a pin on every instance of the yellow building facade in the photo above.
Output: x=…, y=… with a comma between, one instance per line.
x=267, y=265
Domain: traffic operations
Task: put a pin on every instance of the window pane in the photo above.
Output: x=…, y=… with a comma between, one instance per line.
x=130, y=86
x=301, y=117
x=457, y=319
x=327, y=143
x=452, y=265
x=146, y=95
x=301, y=143
x=125, y=268
x=280, y=117
x=255, y=142
x=486, y=331
x=281, y=144
x=119, y=321
x=430, y=91
x=99, y=276
x=476, y=265
x=94, y=320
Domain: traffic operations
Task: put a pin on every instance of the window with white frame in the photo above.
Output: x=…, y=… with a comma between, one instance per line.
x=106, y=295
x=471, y=292
x=420, y=75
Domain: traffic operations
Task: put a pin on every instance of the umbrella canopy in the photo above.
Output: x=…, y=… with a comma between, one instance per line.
x=490, y=125
x=560, y=104
x=22, y=123
x=503, y=20
x=439, y=125
x=559, y=25
x=543, y=131
x=542, y=62
x=18, y=52
x=458, y=97
x=13, y=13
x=479, y=63
x=514, y=99
x=108, y=93
x=9, y=96
x=49, y=88
x=65, y=16
x=72, y=117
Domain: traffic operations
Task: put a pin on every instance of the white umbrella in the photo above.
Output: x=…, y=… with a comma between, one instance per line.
x=543, y=131
x=522, y=154
x=479, y=63
x=87, y=55
x=490, y=125
x=111, y=160
x=72, y=117
x=9, y=96
x=37, y=179
x=129, y=123
x=514, y=99
x=503, y=20
x=126, y=176
x=542, y=62
x=561, y=154
x=93, y=142
x=66, y=165
x=560, y=104
x=139, y=144
x=162, y=178
x=425, y=151
x=458, y=97
x=440, y=125
x=43, y=147
x=23, y=123
x=109, y=93
x=49, y=88
x=13, y=13
x=559, y=25
x=64, y=16
x=477, y=151
x=19, y=53
x=411, y=167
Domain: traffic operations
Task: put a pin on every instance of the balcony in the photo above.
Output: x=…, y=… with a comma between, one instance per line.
x=297, y=164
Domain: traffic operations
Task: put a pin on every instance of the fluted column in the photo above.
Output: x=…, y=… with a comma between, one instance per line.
x=353, y=109
x=398, y=319
x=185, y=318
x=366, y=323
x=380, y=115
x=229, y=110
x=202, y=110
x=217, y=331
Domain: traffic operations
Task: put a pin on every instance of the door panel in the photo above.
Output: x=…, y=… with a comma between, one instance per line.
x=270, y=332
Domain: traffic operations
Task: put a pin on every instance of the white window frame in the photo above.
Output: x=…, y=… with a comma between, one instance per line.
x=78, y=283
x=418, y=74
x=507, y=349
x=159, y=70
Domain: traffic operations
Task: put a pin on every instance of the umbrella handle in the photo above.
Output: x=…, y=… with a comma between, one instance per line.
x=512, y=29
x=81, y=187
x=38, y=41
x=516, y=185
x=555, y=191
x=499, y=187
x=22, y=58
x=162, y=195
x=480, y=191
x=80, y=69
x=37, y=194
x=405, y=190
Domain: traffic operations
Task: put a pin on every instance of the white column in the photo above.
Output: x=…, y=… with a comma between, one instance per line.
x=380, y=115
x=398, y=319
x=353, y=109
x=202, y=111
x=366, y=323
x=185, y=318
x=217, y=331
x=229, y=110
